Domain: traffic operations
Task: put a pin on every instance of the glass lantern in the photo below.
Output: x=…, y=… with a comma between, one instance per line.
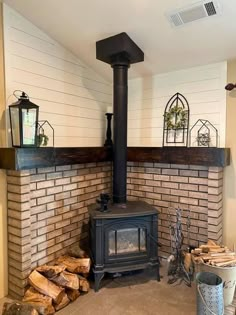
x=23, y=122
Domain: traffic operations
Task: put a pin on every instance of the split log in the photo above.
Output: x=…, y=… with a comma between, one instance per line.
x=17, y=308
x=213, y=258
x=83, y=284
x=210, y=246
x=42, y=303
x=45, y=286
x=50, y=271
x=217, y=250
x=72, y=294
x=226, y=264
x=75, y=265
x=198, y=260
x=217, y=255
x=64, y=302
x=77, y=252
x=219, y=260
x=212, y=243
x=187, y=261
x=72, y=280
x=66, y=279
x=196, y=251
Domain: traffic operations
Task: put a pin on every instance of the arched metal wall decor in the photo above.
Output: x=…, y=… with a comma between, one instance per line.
x=176, y=121
x=203, y=134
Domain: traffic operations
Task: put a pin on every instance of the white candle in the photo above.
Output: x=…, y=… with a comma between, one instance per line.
x=109, y=109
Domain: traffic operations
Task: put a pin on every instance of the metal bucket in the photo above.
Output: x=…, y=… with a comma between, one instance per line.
x=209, y=294
x=228, y=276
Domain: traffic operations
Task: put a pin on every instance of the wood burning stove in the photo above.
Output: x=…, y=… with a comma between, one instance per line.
x=123, y=239
x=124, y=235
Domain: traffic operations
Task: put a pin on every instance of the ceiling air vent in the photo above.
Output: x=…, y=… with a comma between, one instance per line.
x=194, y=12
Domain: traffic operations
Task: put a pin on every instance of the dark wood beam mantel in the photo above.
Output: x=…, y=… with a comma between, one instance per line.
x=181, y=155
x=28, y=158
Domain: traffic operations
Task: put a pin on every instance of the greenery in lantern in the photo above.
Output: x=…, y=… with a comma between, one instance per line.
x=176, y=118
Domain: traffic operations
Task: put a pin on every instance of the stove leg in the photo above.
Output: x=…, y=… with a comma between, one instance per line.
x=98, y=277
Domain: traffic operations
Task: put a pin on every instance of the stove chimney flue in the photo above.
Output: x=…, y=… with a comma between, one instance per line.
x=119, y=51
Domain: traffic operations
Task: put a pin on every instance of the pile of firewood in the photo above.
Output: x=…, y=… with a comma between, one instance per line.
x=214, y=255
x=53, y=287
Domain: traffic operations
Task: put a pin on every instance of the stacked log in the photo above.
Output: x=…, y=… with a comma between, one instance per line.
x=75, y=265
x=42, y=303
x=54, y=287
x=18, y=308
x=46, y=287
x=214, y=255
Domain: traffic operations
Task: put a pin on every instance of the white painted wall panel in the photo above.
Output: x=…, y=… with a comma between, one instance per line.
x=202, y=86
x=71, y=96
x=74, y=99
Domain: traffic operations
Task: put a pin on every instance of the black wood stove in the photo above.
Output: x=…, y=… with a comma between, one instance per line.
x=123, y=235
x=123, y=239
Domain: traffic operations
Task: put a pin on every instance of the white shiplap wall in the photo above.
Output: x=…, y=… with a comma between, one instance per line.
x=71, y=96
x=202, y=86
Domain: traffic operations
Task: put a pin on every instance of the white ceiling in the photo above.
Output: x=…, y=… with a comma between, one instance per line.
x=78, y=24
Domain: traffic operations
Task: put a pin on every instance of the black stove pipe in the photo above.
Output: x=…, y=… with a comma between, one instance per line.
x=120, y=100
x=119, y=51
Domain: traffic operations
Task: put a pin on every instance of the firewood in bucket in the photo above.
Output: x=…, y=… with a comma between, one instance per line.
x=214, y=255
x=211, y=243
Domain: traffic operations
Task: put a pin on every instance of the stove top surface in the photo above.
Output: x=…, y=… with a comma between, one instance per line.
x=130, y=209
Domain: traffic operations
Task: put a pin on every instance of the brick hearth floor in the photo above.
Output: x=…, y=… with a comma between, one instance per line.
x=138, y=294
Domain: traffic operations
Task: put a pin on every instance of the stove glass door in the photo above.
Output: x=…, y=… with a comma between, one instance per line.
x=125, y=241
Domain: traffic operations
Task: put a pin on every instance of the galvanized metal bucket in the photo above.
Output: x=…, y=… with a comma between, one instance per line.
x=210, y=299
x=228, y=276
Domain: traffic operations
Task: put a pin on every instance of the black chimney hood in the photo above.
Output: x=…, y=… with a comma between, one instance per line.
x=119, y=51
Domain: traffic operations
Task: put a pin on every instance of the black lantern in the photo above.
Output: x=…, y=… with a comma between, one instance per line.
x=24, y=122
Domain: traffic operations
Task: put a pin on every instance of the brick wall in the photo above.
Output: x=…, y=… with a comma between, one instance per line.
x=47, y=208
x=47, y=213
x=197, y=190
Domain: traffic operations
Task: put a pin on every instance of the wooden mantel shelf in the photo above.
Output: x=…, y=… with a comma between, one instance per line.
x=181, y=155
x=28, y=158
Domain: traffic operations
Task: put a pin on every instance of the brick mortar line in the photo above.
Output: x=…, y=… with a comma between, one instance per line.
x=180, y=175
x=11, y=283
x=162, y=193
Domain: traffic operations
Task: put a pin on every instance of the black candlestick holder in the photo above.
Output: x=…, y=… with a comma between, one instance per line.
x=108, y=142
